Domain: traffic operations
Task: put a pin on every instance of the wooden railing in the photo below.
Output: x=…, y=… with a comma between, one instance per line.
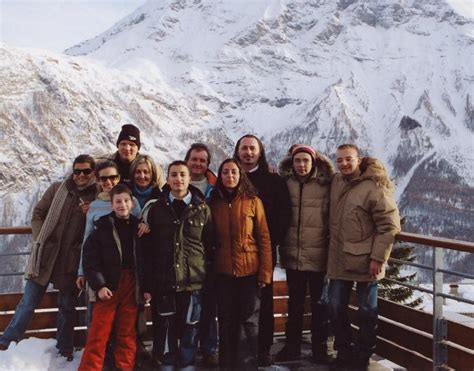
x=405, y=335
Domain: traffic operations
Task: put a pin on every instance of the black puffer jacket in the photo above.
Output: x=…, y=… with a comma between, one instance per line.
x=102, y=255
x=177, y=251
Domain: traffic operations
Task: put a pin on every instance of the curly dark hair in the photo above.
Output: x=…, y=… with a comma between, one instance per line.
x=244, y=188
x=262, y=160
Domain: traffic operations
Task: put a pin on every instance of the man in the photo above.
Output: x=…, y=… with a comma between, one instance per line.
x=57, y=229
x=128, y=145
x=364, y=220
x=176, y=255
x=273, y=192
x=304, y=252
x=198, y=158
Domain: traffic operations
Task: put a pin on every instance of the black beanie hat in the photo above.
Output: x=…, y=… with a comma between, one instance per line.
x=131, y=133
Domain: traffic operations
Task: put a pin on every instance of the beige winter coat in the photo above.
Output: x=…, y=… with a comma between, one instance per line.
x=307, y=240
x=364, y=220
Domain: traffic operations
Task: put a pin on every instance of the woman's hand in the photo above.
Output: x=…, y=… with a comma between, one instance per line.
x=105, y=294
x=80, y=282
x=262, y=284
x=143, y=228
x=147, y=297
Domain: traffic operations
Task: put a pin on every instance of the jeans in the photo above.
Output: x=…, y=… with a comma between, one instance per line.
x=297, y=283
x=238, y=309
x=339, y=294
x=181, y=329
x=25, y=309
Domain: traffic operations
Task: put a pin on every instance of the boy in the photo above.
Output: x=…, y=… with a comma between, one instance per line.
x=110, y=266
x=176, y=253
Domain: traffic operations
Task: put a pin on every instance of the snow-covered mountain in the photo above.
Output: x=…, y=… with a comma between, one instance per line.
x=394, y=76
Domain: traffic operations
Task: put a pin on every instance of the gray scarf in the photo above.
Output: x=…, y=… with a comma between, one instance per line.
x=50, y=222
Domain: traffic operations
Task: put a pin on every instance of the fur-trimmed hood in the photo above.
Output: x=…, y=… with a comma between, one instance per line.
x=324, y=168
x=373, y=169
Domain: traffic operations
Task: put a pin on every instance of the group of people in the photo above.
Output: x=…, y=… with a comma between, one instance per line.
x=199, y=247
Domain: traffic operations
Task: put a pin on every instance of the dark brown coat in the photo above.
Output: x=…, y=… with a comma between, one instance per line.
x=62, y=249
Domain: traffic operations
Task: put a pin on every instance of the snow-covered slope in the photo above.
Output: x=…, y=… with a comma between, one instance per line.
x=395, y=77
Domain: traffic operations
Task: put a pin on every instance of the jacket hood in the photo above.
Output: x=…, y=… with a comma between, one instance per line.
x=324, y=168
x=374, y=170
x=211, y=177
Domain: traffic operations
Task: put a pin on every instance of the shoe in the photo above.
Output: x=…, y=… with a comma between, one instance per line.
x=287, y=354
x=322, y=358
x=211, y=360
x=265, y=359
x=339, y=364
x=3, y=347
x=68, y=355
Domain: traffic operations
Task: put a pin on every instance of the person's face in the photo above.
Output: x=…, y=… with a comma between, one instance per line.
x=178, y=178
x=230, y=175
x=108, y=178
x=249, y=152
x=122, y=205
x=302, y=163
x=82, y=173
x=348, y=162
x=197, y=163
x=142, y=176
x=127, y=150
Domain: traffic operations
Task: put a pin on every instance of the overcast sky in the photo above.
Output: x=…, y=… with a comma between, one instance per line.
x=58, y=24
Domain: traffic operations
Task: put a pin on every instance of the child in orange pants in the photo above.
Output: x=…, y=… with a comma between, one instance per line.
x=110, y=267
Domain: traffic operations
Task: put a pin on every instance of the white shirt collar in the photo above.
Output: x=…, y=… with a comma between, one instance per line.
x=187, y=199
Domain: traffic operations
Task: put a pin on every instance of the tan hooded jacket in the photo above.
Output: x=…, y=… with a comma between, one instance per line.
x=307, y=240
x=364, y=220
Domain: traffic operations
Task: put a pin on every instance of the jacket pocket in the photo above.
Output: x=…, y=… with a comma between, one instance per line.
x=196, y=270
x=356, y=255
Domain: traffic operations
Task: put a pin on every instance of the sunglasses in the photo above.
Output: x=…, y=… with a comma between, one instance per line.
x=112, y=178
x=83, y=171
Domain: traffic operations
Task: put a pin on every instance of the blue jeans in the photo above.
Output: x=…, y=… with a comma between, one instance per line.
x=181, y=329
x=25, y=309
x=339, y=294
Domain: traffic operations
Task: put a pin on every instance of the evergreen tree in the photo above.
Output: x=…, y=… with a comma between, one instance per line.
x=390, y=290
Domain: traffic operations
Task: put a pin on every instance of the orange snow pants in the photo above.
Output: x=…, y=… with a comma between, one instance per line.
x=123, y=306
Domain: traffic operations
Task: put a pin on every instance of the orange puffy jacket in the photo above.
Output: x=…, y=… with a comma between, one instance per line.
x=243, y=244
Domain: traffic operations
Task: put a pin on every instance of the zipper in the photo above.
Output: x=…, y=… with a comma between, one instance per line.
x=230, y=240
x=299, y=227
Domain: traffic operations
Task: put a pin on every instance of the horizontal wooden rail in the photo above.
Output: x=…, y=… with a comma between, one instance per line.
x=446, y=243
x=15, y=230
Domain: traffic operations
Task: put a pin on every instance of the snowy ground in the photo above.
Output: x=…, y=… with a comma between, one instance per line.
x=36, y=354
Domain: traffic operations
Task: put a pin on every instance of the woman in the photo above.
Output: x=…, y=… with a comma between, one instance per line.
x=243, y=263
x=147, y=179
x=107, y=176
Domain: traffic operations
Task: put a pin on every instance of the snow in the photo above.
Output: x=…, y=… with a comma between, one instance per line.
x=463, y=7
x=35, y=354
